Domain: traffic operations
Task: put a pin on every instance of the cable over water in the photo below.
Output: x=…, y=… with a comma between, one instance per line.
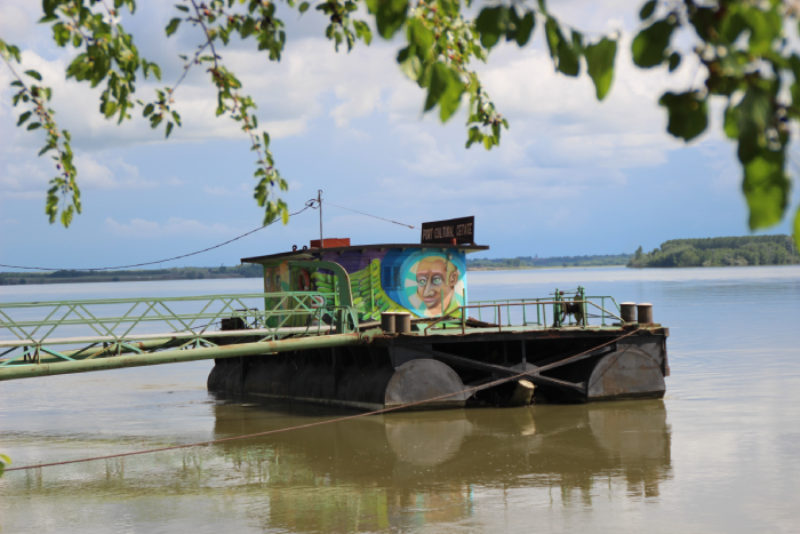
x=155, y=262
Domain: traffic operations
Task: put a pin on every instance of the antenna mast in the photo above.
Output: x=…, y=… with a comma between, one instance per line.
x=319, y=200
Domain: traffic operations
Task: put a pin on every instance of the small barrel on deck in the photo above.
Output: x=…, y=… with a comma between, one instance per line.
x=389, y=322
x=402, y=322
x=645, y=313
x=628, y=312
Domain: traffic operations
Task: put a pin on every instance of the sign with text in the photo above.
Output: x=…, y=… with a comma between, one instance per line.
x=452, y=231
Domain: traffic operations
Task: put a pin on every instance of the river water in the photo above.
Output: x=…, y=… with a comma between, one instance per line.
x=720, y=453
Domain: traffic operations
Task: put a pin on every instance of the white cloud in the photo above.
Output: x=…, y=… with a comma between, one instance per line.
x=175, y=226
x=25, y=177
x=114, y=174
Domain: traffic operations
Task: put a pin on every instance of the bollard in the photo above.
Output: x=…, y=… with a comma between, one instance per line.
x=645, y=312
x=403, y=322
x=388, y=323
x=628, y=312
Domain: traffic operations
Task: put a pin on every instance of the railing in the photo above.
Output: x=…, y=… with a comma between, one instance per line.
x=533, y=312
x=195, y=320
x=540, y=305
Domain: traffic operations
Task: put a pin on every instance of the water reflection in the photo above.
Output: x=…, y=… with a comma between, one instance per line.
x=401, y=470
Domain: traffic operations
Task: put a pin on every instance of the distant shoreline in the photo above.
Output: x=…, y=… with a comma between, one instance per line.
x=531, y=268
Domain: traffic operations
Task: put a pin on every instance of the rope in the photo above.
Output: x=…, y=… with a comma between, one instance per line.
x=368, y=215
x=159, y=261
x=310, y=425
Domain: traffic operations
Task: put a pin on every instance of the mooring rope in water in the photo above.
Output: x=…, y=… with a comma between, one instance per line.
x=318, y=423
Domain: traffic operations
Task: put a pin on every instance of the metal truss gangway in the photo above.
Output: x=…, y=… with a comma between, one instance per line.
x=73, y=336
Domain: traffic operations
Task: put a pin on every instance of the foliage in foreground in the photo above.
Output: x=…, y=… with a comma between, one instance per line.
x=720, y=251
x=4, y=461
x=743, y=47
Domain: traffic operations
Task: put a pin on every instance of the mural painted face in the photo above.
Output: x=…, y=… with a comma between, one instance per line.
x=436, y=281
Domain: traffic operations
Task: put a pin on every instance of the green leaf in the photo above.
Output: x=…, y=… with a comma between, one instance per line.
x=766, y=188
x=22, y=118
x=765, y=28
x=390, y=15
x=451, y=99
x=794, y=63
x=474, y=136
x=647, y=10
x=674, y=61
x=33, y=126
x=554, y=37
x=755, y=113
x=688, y=114
x=491, y=25
x=110, y=109
x=172, y=27
x=600, y=60
x=66, y=216
x=796, y=232
x=568, y=59
x=445, y=89
x=303, y=7
x=409, y=64
x=33, y=74
x=525, y=27
x=169, y=129
x=650, y=45
x=248, y=27
x=731, y=124
x=421, y=37
x=182, y=8
x=437, y=86
x=148, y=109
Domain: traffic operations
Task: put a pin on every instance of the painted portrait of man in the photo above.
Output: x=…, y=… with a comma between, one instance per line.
x=436, y=281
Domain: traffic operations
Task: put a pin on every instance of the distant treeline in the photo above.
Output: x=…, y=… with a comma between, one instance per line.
x=175, y=273
x=528, y=262
x=719, y=251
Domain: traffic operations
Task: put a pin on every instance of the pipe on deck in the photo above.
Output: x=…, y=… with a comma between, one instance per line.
x=179, y=356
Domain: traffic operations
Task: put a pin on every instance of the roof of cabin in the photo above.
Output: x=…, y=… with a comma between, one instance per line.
x=313, y=253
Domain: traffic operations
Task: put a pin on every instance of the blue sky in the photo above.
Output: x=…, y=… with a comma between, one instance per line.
x=572, y=176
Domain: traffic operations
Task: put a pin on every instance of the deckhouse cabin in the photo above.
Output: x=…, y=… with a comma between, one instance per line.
x=427, y=279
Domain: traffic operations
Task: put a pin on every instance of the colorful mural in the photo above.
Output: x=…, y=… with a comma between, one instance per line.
x=427, y=282
x=421, y=281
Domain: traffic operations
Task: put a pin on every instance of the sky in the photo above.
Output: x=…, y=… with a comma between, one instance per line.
x=572, y=176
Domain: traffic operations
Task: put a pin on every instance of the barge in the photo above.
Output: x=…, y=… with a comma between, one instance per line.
x=416, y=339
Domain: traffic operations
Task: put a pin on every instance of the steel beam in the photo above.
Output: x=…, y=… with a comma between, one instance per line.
x=178, y=356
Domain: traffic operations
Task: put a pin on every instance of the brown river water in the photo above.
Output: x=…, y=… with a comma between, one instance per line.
x=720, y=453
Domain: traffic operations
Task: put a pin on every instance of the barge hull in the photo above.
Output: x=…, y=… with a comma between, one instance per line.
x=394, y=370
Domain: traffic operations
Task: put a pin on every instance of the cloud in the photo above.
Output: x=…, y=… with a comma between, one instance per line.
x=24, y=177
x=114, y=174
x=175, y=226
